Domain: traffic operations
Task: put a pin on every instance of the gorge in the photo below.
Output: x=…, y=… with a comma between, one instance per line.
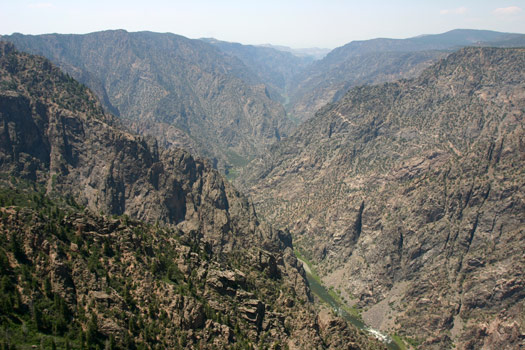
x=165, y=203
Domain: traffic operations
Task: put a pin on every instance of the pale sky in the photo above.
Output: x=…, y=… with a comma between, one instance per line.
x=295, y=23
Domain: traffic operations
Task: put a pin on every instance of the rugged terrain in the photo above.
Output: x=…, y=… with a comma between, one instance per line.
x=225, y=101
x=377, y=61
x=184, y=92
x=79, y=270
x=275, y=68
x=409, y=199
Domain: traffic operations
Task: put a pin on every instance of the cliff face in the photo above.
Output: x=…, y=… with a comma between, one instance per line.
x=409, y=197
x=184, y=92
x=54, y=132
x=208, y=274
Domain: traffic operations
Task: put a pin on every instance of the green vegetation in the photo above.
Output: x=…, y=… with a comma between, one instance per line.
x=414, y=342
x=301, y=255
x=231, y=174
x=237, y=163
x=355, y=312
x=39, y=308
x=30, y=311
x=33, y=310
x=294, y=119
x=399, y=341
x=312, y=275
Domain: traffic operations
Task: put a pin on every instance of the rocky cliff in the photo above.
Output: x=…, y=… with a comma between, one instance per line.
x=184, y=92
x=77, y=280
x=199, y=271
x=409, y=198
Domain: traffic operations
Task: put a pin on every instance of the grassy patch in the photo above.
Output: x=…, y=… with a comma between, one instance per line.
x=231, y=174
x=301, y=256
x=351, y=310
x=237, y=162
x=399, y=341
x=293, y=119
x=413, y=342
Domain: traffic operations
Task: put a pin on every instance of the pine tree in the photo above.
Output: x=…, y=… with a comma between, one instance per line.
x=92, y=331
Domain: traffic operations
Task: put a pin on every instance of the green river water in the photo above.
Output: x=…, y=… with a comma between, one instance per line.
x=320, y=291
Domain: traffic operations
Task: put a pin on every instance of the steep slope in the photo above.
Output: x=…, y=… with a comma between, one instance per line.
x=76, y=280
x=207, y=274
x=73, y=279
x=275, y=68
x=409, y=197
x=377, y=61
x=184, y=92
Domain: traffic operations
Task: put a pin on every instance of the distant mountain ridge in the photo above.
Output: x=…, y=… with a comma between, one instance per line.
x=184, y=92
x=409, y=198
x=450, y=40
x=381, y=60
x=227, y=101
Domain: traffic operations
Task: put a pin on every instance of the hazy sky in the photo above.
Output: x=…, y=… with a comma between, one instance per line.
x=295, y=23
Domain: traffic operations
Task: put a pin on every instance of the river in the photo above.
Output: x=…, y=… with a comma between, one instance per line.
x=320, y=291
